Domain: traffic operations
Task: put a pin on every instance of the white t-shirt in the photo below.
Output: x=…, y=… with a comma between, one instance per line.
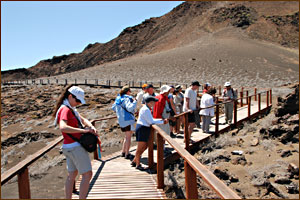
x=139, y=98
x=192, y=95
x=146, y=119
x=206, y=101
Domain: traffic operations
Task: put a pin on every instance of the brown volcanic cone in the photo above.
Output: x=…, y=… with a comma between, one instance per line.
x=271, y=21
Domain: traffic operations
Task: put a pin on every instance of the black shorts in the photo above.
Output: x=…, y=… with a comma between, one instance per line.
x=191, y=117
x=172, y=123
x=142, y=133
x=125, y=129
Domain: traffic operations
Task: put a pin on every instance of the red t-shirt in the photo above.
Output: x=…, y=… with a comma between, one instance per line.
x=66, y=114
x=159, y=106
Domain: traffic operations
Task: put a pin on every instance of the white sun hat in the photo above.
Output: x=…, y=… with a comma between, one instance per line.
x=227, y=84
x=78, y=93
x=164, y=89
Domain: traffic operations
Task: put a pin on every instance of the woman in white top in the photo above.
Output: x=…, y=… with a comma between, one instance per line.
x=143, y=128
x=207, y=100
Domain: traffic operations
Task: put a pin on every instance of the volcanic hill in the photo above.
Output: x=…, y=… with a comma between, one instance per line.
x=273, y=22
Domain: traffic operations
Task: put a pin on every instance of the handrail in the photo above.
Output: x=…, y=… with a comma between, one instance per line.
x=6, y=176
x=209, y=177
x=21, y=169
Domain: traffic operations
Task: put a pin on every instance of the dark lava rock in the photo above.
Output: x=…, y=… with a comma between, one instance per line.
x=286, y=153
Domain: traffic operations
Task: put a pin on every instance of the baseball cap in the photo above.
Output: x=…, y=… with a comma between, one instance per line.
x=149, y=86
x=196, y=83
x=78, y=93
x=150, y=98
x=144, y=85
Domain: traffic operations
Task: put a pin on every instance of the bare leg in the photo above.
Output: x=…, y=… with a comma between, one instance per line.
x=127, y=141
x=69, y=184
x=142, y=146
x=85, y=184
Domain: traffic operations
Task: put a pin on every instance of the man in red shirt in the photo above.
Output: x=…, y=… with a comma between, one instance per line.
x=161, y=109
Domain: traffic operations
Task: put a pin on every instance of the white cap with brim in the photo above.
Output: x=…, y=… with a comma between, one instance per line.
x=227, y=84
x=164, y=89
x=78, y=93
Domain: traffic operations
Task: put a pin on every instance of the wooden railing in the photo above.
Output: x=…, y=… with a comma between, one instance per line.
x=192, y=165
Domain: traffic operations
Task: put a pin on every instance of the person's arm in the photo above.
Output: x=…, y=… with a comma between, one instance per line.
x=64, y=127
x=130, y=106
x=173, y=106
x=187, y=103
x=88, y=124
x=149, y=119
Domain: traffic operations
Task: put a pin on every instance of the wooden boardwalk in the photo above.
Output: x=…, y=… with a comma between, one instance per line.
x=114, y=178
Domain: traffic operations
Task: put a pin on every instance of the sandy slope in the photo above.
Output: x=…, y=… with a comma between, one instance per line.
x=227, y=55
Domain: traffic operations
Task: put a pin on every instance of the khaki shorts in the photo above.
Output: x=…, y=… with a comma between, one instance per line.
x=77, y=159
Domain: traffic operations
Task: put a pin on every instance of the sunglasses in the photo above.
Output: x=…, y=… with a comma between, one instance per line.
x=77, y=100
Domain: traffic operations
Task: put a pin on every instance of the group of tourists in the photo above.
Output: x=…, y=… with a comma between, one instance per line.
x=151, y=108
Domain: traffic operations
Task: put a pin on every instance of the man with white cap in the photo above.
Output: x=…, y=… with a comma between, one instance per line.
x=228, y=95
x=161, y=109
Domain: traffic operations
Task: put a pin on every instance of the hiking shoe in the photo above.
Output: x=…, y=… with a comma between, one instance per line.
x=123, y=154
x=139, y=167
x=172, y=135
x=133, y=164
x=129, y=156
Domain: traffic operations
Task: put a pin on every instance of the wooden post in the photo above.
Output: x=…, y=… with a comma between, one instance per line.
x=186, y=133
x=267, y=99
x=75, y=81
x=217, y=120
x=160, y=162
x=249, y=106
x=41, y=81
x=56, y=81
x=255, y=93
x=241, y=96
x=220, y=90
x=96, y=156
x=190, y=181
x=85, y=81
x=247, y=94
x=109, y=83
x=48, y=81
x=270, y=96
x=160, y=84
x=235, y=112
x=23, y=184
x=150, y=149
x=119, y=83
x=66, y=81
x=259, y=100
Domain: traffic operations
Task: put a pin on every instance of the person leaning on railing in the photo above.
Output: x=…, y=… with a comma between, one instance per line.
x=143, y=129
x=78, y=160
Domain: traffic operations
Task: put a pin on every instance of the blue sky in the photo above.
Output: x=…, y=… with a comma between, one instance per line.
x=33, y=31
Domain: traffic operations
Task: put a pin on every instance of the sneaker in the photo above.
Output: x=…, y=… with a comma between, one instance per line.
x=172, y=135
x=139, y=167
x=129, y=156
x=133, y=164
x=123, y=154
